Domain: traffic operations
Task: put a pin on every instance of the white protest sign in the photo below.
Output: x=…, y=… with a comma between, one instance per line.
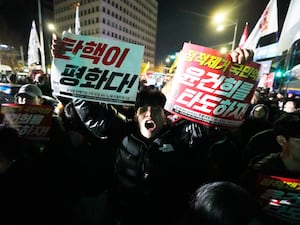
x=97, y=69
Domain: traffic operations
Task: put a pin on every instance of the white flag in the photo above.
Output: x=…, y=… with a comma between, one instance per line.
x=267, y=24
x=33, y=46
x=291, y=27
x=244, y=36
x=77, y=20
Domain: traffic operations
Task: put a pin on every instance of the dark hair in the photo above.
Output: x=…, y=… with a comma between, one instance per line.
x=12, y=78
x=288, y=125
x=222, y=203
x=150, y=97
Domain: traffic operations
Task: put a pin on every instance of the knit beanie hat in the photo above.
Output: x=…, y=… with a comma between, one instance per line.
x=150, y=97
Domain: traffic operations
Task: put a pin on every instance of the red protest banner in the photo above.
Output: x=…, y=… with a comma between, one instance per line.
x=280, y=198
x=32, y=121
x=208, y=88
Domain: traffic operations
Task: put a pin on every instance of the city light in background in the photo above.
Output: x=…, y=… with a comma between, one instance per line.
x=222, y=21
x=170, y=34
x=51, y=27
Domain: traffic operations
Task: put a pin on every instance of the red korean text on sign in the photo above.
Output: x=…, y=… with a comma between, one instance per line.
x=97, y=52
x=210, y=89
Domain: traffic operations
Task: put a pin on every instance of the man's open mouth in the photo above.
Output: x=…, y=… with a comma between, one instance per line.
x=150, y=125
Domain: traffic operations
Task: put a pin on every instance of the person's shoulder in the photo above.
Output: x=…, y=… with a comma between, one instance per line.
x=261, y=136
x=265, y=161
x=132, y=145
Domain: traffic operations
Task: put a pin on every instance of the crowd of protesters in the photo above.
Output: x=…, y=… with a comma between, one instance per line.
x=111, y=165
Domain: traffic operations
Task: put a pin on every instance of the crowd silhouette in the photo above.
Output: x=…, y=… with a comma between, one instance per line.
x=105, y=164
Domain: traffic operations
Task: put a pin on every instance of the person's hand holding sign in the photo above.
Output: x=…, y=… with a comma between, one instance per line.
x=241, y=55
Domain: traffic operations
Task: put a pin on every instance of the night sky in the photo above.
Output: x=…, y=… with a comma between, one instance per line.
x=15, y=20
x=190, y=20
x=179, y=21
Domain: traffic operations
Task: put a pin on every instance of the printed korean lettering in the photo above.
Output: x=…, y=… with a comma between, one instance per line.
x=282, y=205
x=223, y=65
x=211, y=83
x=236, y=69
x=94, y=78
x=217, y=63
x=31, y=130
x=249, y=71
x=72, y=74
x=213, y=61
x=93, y=50
x=191, y=76
x=243, y=91
x=36, y=119
x=201, y=58
x=10, y=117
x=230, y=108
x=190, y=55
x=228, y=87
x=207, y=103
x=224, y=108
x=123, y=83
x=239, y=111
x=188, y=93
x=254, y=74
x=112, y=55
x=23, y=118
x=197, y=101
x=126, y=82
x=204, y=59
x=67, y=46
x=244, y=71
x=293, y=198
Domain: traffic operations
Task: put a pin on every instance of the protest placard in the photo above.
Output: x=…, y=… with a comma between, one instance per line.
x=280, y=197
x=210, y=89
x=97, y=69
x=33, y=122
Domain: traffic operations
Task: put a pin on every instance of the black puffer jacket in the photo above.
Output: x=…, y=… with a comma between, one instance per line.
x=146, y=163
x=155, y=177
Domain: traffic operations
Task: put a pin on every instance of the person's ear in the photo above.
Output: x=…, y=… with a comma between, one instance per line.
x=281, y=140
x=41, y=100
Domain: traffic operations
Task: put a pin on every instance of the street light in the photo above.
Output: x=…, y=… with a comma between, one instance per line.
x=220, y=19
x=223, y=50
x=52, y=29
